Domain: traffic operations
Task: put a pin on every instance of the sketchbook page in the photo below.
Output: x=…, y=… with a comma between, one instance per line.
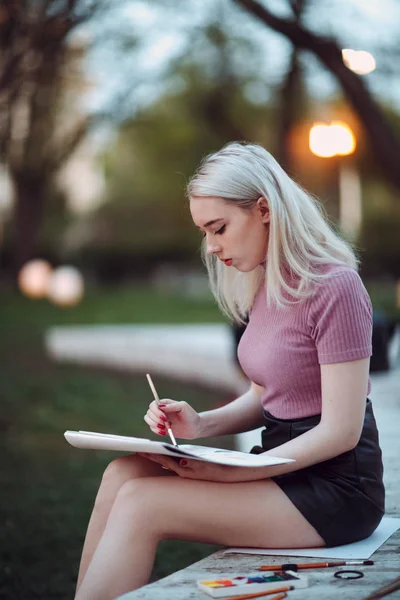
x=232, y=457
x=361, y=550
x=120, y=443
x=105, y=441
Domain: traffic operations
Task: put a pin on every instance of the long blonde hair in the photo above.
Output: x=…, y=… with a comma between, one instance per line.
x=300, y=237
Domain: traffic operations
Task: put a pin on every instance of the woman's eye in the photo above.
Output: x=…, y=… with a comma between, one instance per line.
x=219, y=232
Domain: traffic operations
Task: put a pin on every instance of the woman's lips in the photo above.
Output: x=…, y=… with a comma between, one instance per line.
x=228, y=262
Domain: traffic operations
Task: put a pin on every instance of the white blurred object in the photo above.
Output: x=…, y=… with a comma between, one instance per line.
x=66, y=286
x=359, y=61
x=34, y=278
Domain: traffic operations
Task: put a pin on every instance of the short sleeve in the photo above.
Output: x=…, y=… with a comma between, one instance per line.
x=340, y=318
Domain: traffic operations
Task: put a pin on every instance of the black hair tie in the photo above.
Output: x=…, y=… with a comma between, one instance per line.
x=348, y=574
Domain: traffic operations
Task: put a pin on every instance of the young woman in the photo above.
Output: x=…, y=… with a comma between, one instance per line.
x=272, y=257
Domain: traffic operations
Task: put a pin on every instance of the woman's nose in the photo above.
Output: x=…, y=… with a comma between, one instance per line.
x=212, y=248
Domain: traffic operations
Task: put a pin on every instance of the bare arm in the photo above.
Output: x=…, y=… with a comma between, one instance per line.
x=243, y=414
x=344, y=393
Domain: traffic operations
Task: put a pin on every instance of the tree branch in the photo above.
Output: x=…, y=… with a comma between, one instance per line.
x=69, y=143
x=382, y=139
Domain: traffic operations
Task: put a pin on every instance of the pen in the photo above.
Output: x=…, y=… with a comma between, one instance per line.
x=259, y=594
x=318, y=565
x=157, y=399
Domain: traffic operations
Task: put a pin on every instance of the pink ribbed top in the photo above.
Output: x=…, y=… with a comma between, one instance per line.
x=282, y=348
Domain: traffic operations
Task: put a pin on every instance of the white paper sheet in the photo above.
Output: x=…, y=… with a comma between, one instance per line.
x=357, y=551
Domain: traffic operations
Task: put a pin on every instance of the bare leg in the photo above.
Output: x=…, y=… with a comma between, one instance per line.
x=118, y=472
x=148, y=510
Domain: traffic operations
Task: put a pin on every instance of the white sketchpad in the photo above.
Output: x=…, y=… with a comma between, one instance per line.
x=121, y=443
x=357, y=551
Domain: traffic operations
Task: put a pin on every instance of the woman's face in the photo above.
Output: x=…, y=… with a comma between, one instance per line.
x=238, y=236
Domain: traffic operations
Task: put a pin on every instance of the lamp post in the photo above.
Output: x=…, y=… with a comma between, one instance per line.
x=337, y=139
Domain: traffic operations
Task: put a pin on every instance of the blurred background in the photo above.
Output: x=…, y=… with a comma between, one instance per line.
x=106, y=109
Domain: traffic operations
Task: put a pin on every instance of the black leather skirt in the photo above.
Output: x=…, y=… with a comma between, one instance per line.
x=344, y=497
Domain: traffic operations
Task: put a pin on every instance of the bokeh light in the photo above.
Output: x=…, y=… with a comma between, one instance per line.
x=334, y=139
x=66, y=286
x=359, y=61
x=34, y=278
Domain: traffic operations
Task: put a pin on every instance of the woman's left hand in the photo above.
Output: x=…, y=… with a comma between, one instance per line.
x=205, y=471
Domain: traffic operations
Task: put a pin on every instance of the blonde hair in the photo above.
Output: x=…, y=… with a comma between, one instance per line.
x=300, y=237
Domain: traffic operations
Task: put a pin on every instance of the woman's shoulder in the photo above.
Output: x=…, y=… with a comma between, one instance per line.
x=339, y=277
x=335, y=269
x=341, y=286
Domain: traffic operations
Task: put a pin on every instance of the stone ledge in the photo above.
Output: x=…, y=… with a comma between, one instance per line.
x=182, y=584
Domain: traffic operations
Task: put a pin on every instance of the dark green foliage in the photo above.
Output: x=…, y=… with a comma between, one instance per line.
x=48, y=487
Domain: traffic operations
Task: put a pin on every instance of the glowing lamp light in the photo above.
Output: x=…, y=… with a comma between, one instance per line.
x=320, y=140
x=66, y=286
x=34, y=278
x=343, y=138
x=359, y=61
x=335, y=139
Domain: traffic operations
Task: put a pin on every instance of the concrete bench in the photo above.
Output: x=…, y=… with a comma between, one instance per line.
x=322, y=584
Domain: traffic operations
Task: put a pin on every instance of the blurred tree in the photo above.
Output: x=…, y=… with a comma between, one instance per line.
x=145, y=220
x=292, y=98
x=385, y=143
x=36, y=57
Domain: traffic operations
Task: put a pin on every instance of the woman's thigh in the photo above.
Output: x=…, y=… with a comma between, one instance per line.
x=256, y=513
x=131, y=467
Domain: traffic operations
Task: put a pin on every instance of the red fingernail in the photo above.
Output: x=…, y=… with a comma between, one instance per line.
x=161, y=427
x=163, y=417
x=183, y=462
x=162, y=405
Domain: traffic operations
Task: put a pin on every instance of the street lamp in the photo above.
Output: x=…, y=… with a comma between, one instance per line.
x=337, y=139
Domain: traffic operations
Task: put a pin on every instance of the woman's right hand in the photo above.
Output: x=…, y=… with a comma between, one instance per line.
x=182, y=418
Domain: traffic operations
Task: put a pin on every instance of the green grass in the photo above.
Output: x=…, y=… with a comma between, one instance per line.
x=131, y=304
x=48, y=487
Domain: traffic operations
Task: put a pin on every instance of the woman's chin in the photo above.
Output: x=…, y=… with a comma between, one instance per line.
x=243, y=268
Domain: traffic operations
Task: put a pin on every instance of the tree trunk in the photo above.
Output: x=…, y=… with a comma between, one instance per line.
x=291, y=96
x=29, y=196
x=289, y=104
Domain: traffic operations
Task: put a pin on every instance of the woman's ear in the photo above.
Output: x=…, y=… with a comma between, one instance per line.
x=263, y=209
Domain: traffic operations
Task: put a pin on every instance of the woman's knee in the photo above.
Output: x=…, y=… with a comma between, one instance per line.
x=141, y=497
x=115, y=475
x=124, y=468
